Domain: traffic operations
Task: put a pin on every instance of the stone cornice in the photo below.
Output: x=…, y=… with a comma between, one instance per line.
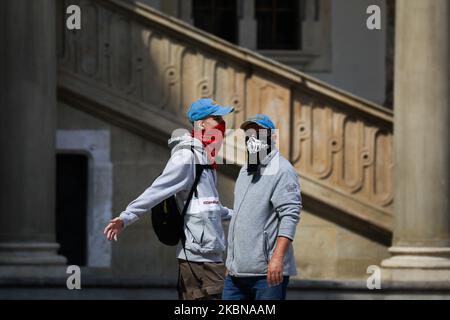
x=248, y=57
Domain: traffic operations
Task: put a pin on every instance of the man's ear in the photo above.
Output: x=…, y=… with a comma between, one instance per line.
x=198, y=125
x=273, y=138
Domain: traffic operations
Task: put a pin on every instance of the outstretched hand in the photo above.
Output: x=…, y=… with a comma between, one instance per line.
x=113, y=229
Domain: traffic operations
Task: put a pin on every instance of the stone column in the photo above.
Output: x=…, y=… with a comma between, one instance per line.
x=421, y=244
x=247, y=24
x=27, y=135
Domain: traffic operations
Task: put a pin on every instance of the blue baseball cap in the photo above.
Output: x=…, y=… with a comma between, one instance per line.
x=203, y=108
x=261, y=120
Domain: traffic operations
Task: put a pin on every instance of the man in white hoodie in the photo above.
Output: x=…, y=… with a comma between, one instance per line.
x=205, y=239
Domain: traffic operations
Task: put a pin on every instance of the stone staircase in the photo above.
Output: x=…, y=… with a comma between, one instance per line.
x=140, y=69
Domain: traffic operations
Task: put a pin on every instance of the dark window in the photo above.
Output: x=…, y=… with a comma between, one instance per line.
x=278, y=24
x=71, y=206
x=218, y=17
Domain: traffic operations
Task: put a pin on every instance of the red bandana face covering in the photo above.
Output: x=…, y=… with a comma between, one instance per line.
x=212, y=141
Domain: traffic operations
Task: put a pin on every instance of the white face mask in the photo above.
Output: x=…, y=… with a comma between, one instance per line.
x=254, y=145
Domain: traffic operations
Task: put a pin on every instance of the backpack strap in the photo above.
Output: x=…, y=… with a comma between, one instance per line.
x=198, y=168
x=198, y=173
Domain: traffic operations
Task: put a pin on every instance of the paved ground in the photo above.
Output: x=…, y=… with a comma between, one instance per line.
x=164, y=289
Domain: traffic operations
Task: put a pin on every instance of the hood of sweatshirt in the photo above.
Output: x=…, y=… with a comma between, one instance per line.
x=187, y=141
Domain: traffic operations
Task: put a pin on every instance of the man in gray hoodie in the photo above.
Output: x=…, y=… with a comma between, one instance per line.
x=205, y=244
x=267, y=205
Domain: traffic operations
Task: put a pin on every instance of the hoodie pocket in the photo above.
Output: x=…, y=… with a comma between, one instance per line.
x=213, y=240
x=205, y=234
x=266, y=246
x=194, y=230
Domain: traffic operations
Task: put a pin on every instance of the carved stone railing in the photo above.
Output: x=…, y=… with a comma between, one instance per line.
x=141, y=69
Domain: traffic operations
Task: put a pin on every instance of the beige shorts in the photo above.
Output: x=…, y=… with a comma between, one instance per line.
x=212, y=276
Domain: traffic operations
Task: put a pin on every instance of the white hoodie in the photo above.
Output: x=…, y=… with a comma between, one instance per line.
x=205, y=239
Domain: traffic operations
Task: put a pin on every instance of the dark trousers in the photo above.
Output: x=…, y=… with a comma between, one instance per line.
x=210, y=286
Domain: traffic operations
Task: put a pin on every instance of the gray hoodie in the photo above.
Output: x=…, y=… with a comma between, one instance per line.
x=267, y=205
x=205, y=240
